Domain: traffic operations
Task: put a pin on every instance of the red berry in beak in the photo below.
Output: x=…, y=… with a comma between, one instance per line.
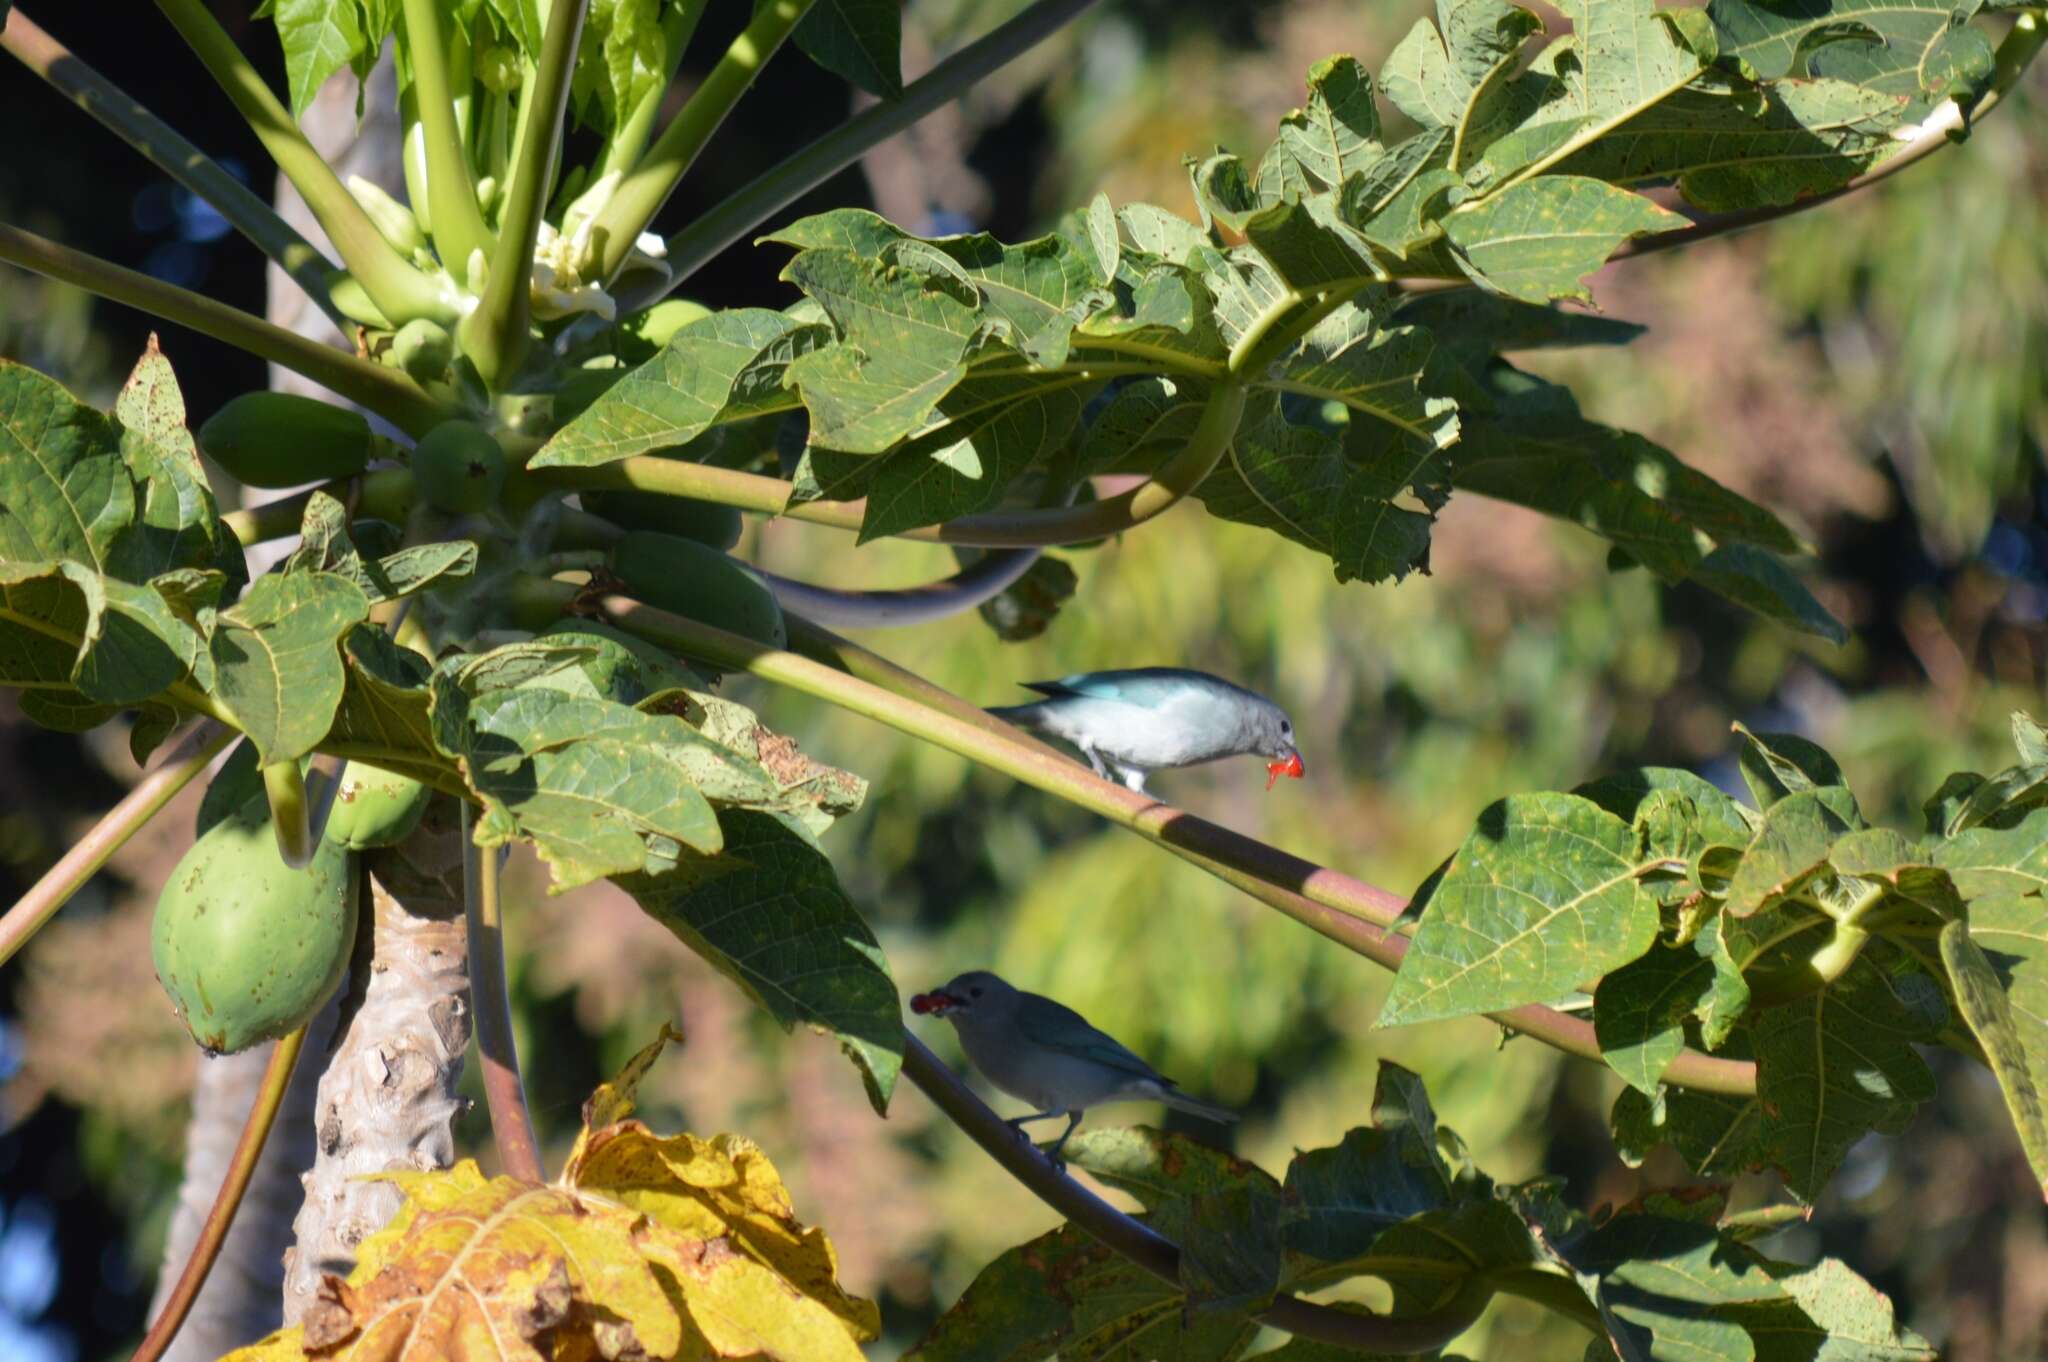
x=1290, y=767
x=934, y=1003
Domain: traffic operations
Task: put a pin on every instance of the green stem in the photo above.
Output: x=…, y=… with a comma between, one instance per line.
x=1152, y=1251
x=1850, y=936
x=740, y=213
x=1555, y=1292
x=399, y=291
x=384, y=391
x=642, y=193
x=459, y=230
x=163, y=148
x=1353, y=914
x=511, y=1122
x=678, y=26
x=277, y=1077
x=184, y=761
x=496, y=334
x=290, y=822
x=1036, y=527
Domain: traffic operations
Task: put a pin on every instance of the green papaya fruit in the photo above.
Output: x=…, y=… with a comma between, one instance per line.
x=247, y=948
x=695, y=580
x=424, y=349
x=375, y=807
x=654, y=327
x=458, y=467
x=707, y=522
x=268, y=439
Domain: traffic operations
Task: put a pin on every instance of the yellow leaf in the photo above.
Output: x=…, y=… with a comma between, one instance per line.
x=649, y=1246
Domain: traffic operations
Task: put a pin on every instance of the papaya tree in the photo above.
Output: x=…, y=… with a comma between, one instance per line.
x=507, y=596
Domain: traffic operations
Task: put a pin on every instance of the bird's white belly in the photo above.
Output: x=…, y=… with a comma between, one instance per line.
x=1133, y=735
x=1048, y=1079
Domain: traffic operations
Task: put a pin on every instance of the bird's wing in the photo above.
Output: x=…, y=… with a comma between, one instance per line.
x=1148, y=686
x=1059, y=1027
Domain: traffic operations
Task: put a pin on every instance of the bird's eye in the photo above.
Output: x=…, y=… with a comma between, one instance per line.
x=1286, y=729
x=974, y=993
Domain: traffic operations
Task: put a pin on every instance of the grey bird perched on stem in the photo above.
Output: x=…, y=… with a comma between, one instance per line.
x=1130, y=723
x=1047, y=1054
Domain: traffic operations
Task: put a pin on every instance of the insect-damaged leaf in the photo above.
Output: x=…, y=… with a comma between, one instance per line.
x=1539, y=239
x=277, y=659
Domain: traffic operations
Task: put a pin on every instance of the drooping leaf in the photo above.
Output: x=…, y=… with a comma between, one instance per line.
x=320, y=37
x=1640, y=1010
x=857, y=40
x=1790, y=846
x=326, y=546
x=721, y=368
x=1377, y=1176
x=277, y=659
x=1777, y=764
x=1542, y=897
x=385, y=716
x=1756, y=580
x=1539, y=239
x=1997, y=965
x=1337, y=134
x=1837, y=1065
x=769, y=913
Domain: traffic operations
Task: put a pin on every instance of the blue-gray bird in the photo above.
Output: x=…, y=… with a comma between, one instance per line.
x=1131, y=723
x=1045, y=1053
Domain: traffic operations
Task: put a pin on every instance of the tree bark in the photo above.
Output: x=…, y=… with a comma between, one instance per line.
x=387, y=1098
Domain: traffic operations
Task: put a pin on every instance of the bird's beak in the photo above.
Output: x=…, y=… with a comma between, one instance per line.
x=1289, y=765
x=934, y=1004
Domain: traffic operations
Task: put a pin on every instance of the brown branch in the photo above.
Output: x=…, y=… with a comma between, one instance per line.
x=276, y=1078
x=1152, y=1251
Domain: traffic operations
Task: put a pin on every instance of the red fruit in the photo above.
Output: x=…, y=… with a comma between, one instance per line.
x=1276, y=769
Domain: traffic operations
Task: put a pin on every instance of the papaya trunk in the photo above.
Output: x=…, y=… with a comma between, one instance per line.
x=387, y=1099
x=240, y=1301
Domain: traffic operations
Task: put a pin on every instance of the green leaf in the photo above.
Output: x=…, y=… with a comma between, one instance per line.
x=1621, y=56
x=2001, y=798
x=179, y=524
x=1832, y=1315
x=319, y=38
x=1754, y=579
x=386, y=707
x=1790, y=847
x=1714, y=817
x=1474, y=322
x=325, y=546
x=2030, y=738
x=1896, y=47
x=1997, y=965
x=1539, y=239
x=1337, y=135
x=1837, y=1065
x=1777, y=764
x=721, y=368
x=1373, y=369
x=906, y=337
x=1716, y=1135
x=1309, y=244
x=1988, y=862
x=1640, y=1010
x=1456, y=73
x=994, y=428
x=86, y=643
x=1664, y=1286
x=277, y=659
x=1147, y=419
x=1350, y=1194
x=1027, y=607
x=1542, y=897
x=1748, y=146
x=1104, y=240
x=857, y=40
x=769, y=914
x=622, y=57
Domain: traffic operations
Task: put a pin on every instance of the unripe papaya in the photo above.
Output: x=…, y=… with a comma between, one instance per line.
x=247, y=948
x=458, y=467
x=424, y=349
x=375, y=807
x=707, y=522
x=269, y=439
x=694, y=580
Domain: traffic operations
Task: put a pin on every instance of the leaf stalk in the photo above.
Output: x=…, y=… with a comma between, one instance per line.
x=642, y=193
x=190, y=755
x=459, y=230
x=277, y=1077
x=511, y=1122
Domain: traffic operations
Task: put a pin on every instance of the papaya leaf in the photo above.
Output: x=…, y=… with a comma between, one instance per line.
x=1839, y=1064
x=2030, y=738
x=1337, y=134
x=322, y=36
x=769, y=913
x=1997, y=965
x=386, y=707
x=1145, y=420
x=1640, y=1010
x=1713, y=816
x=1831, y=1313
x=1373, y=369
x=1791, y=846
x=1539, y=239
x=1716, y=1135
x=277, y=659
x=1757, y=581
x=1986, y=862
x=860, y=41
x=1027, y=607
x=1473, y=322
x=721, y=368
x=648, y=1246
x=622, y=58
x=325, y=546
x=1894, y=47
x=1543, y=896
x=1777, y=764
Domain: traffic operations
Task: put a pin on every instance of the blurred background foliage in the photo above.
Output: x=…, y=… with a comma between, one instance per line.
x=1873, y=371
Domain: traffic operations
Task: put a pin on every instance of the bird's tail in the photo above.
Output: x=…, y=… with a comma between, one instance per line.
x=1195, y=1106
x=1024, y=716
